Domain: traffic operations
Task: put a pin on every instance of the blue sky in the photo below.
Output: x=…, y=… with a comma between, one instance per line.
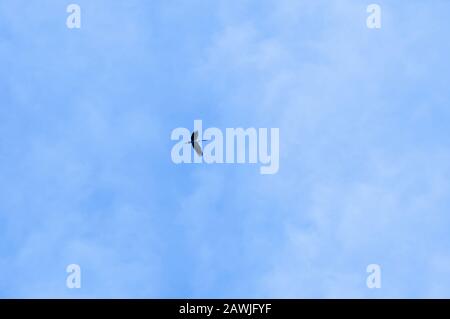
x=86, y=174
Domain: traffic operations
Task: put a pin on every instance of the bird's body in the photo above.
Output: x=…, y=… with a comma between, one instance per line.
x=195, y=144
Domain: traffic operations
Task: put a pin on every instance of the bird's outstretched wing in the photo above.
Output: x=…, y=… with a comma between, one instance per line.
x=194, y=136
x=198, y=149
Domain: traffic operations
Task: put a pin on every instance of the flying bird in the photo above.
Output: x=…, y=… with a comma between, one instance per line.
x=195, y=144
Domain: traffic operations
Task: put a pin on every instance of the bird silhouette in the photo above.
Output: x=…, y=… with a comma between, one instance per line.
x=195, y=144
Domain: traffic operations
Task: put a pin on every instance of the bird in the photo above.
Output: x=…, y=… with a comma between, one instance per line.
x=195, y=144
